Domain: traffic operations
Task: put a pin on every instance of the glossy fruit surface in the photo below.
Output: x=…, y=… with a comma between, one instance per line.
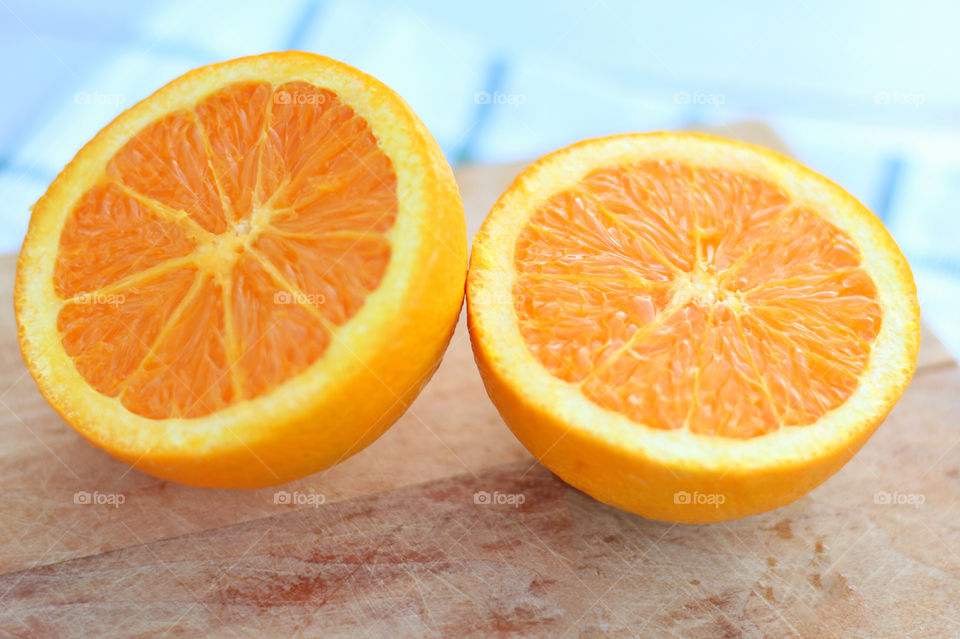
x=247, y=276
x=689, y=328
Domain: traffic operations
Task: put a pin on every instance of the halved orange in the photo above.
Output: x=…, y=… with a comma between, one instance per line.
x=247, y=276
x=689, y=328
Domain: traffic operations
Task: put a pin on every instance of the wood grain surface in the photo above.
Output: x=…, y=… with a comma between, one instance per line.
x=391, y=543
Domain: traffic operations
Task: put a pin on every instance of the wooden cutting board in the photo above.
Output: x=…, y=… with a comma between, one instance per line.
x=391, y=542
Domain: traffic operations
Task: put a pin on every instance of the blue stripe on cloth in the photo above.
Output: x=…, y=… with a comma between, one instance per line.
x=310, y=14
x=494, y=81
x=892, y=172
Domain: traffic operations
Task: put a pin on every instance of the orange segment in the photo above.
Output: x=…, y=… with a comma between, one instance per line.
x=798, y=242
x=804, y=385
x=664, y=314
x=234, y=123
x=144, y=165
x=209, y=252
x=571, y=234
x=731, y=396
x=109, y=334
x=658, y=190
x=652, y=378
x=315, y=144
x=573, y=322
x=275, y=334
x=339, y=270
x=112, y=235
x=186, y=372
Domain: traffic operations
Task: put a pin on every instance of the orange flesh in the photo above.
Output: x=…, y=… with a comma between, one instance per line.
x=694, y=298
x=222, y=247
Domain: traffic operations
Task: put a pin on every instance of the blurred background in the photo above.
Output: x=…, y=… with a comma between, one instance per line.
x=867, y=93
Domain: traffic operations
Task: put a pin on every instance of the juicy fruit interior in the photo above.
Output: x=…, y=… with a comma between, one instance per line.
x=222, y=247
x=696, y=298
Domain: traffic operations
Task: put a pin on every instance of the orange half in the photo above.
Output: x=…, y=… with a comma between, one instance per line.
x=246, y=277
x=689, y=328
